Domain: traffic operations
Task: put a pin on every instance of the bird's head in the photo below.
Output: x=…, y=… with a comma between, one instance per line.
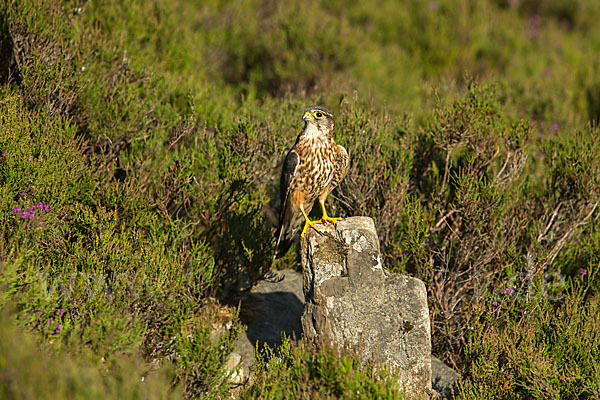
x=318, y=121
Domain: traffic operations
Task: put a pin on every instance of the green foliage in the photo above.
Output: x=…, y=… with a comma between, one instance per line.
x=153, y=132
x=540, y=350
x=301, y=371
x=274, y=49
x=29, y=372
x=129, y=282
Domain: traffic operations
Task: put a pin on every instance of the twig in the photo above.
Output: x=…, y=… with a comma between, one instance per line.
x=446, y=170
x=561, y=242
x=442, y=220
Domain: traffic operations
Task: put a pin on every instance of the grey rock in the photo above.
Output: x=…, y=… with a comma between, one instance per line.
x=443, y=378
x=274, y=308
x=270, y=310
x=350, y=301
x=236, y=372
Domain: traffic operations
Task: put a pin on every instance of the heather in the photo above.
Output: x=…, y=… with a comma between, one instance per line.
x=140, y=145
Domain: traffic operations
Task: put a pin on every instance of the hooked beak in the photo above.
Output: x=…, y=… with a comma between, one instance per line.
x=306, y=116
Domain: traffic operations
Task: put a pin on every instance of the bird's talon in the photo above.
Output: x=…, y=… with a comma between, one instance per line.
x=312, y=224
x=274, y=276
x=333, y=220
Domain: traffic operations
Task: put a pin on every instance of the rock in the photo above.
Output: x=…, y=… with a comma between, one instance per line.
x=443, y=378
x=351, y=301
x=236, y=373
x=270, y=310
x=273, y=308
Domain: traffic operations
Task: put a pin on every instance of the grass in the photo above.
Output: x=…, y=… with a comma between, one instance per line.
x=153, y=133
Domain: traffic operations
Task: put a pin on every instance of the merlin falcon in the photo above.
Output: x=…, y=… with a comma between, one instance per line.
x=313, y=167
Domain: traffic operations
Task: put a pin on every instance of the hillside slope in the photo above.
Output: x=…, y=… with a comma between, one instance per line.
x=140, y=145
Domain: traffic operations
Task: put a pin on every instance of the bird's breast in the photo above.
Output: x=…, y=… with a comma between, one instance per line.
x=315, y=168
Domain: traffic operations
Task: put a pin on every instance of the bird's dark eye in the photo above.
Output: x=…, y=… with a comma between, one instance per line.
x=319, y=115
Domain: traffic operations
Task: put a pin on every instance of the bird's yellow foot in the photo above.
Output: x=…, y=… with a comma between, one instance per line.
x=327, y=218
x=333, y=220
x=312, y=224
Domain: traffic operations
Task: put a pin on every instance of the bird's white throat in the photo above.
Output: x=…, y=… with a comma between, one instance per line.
x=312, y=132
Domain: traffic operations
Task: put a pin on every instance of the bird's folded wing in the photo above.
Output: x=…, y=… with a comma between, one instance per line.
x=287, y=173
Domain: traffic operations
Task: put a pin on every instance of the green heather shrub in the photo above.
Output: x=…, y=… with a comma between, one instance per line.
x=301, y=371
x=140, y=147
x=543, y=348
x=31, y=372
x=110, y=275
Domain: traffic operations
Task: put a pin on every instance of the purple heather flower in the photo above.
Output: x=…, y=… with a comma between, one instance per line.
x=16, y=210
x=39, y=311
x=61, y=311
x=24, y=216
x=49, y=321
x=583, y=271
x=30, y=216
x=46, y=207
x=554, y=126
x=495, y=304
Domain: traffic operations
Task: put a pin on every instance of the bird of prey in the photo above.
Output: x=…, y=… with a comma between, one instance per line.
x=313, y=167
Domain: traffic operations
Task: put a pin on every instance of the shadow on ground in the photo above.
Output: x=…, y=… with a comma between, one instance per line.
x=270, y=315
x=271, y=310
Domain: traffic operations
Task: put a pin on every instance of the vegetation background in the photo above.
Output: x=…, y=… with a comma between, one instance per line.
x=140, y=144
